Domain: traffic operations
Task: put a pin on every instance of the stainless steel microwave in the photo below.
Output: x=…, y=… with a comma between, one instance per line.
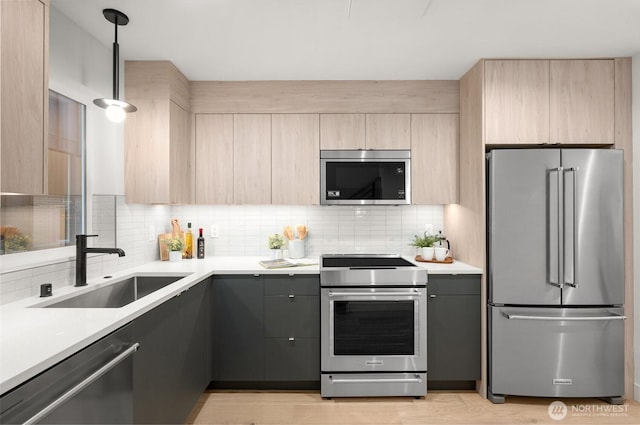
x=365, y=177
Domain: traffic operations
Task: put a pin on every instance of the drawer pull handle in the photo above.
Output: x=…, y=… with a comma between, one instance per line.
x=432, y=296
x=291, y=296
x=292, y=339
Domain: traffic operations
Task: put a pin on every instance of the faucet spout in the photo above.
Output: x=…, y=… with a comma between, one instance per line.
x=81, y=257
x=118, y=251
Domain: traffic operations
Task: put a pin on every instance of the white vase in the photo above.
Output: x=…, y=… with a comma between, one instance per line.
x=276, y=254
x=427, y=253
x=175, y=255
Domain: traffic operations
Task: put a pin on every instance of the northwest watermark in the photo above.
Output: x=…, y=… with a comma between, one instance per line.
x=558, y=410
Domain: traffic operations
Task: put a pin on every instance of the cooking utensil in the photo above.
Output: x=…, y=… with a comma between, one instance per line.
x=302, y=231
x=288, y=232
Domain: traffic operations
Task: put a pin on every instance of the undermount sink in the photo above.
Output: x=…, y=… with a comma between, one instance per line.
x=119, y=293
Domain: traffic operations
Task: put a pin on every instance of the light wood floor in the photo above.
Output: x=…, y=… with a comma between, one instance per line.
x=284, y=407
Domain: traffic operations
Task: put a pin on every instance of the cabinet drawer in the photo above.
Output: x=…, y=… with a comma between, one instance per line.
x=292, y=360
x=292, y=285
x=454, y=285
x=291, y=316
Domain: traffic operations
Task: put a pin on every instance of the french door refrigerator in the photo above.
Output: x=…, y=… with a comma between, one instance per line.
x=555, y=273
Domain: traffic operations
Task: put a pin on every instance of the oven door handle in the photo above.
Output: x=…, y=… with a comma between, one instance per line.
x=414, y=293
x=417, y=379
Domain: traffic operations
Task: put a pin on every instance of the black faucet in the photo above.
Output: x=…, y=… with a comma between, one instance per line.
x=81, y=257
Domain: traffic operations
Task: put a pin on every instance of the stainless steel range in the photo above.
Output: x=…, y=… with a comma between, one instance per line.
x=373, y=326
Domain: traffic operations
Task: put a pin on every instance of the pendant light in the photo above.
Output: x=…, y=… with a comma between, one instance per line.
x=116, y=109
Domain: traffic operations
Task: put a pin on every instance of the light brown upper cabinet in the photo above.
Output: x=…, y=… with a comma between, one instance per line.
x=158, y=164
x=252, y=159
x=434, y=158
x=517, y=101
x=582, y=101
x=295, y=177
x=342, y=131
x=214, y=158
x=365, y=131
x=388, y=131
x=549, y=102
x=24, y=47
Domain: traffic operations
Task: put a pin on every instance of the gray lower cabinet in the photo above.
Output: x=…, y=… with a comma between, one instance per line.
x=238, y=335
x=292, y=328
x=171, y=368
x=266, y=331
x=453, y=331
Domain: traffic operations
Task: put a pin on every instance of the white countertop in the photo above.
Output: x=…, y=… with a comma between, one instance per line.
x=32, y=339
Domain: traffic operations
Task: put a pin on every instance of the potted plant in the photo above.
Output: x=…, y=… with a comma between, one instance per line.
x=275, y=244
x=175, y=246
x=425, y=243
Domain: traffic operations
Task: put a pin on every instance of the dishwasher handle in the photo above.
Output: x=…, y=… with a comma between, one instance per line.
x=82, y=385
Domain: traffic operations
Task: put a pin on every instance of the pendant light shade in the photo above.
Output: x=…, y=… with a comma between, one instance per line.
x=116, y=109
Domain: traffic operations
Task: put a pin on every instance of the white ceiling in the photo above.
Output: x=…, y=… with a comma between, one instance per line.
x=357, y=39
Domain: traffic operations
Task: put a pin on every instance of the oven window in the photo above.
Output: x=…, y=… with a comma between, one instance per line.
x=374, y=328
x=365, y=180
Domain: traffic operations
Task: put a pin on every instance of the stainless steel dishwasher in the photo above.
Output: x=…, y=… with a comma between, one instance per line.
x=93, y=386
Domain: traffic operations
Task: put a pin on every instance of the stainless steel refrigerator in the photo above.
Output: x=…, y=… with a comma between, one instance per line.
x=555, y=273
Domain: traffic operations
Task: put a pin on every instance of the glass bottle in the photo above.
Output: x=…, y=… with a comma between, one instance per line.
x=200, y=244
x=188, y=243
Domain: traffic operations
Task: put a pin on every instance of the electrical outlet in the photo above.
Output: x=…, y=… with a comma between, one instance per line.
x=152, y=233
x=428, y=228
x=215, y=231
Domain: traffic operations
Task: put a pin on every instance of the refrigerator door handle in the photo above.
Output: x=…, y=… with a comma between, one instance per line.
x=566, y=318
x=554, y=240
x=574, y=220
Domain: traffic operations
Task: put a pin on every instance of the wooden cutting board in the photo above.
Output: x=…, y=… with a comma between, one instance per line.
x=164, y=249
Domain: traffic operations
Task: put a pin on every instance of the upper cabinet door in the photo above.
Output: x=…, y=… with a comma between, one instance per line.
x=582, y=101
x=147, y=166
x=158, y=145
x=342, y=131
x=252, y=159
x=180, y=150
x=434, y=158
x=296, y=159
x=24, y=42
x=214, y=158
x=388, y=131
x=516, y=102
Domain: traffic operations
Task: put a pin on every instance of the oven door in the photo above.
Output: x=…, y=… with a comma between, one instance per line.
x=373, y=329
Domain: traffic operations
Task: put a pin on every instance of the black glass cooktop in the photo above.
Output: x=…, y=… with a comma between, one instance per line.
x=365, y=261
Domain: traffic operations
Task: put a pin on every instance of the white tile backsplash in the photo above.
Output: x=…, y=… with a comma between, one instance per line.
x=243, y=230
x=343, y=229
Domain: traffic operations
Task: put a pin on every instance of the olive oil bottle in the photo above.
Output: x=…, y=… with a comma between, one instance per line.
x=188, y=243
